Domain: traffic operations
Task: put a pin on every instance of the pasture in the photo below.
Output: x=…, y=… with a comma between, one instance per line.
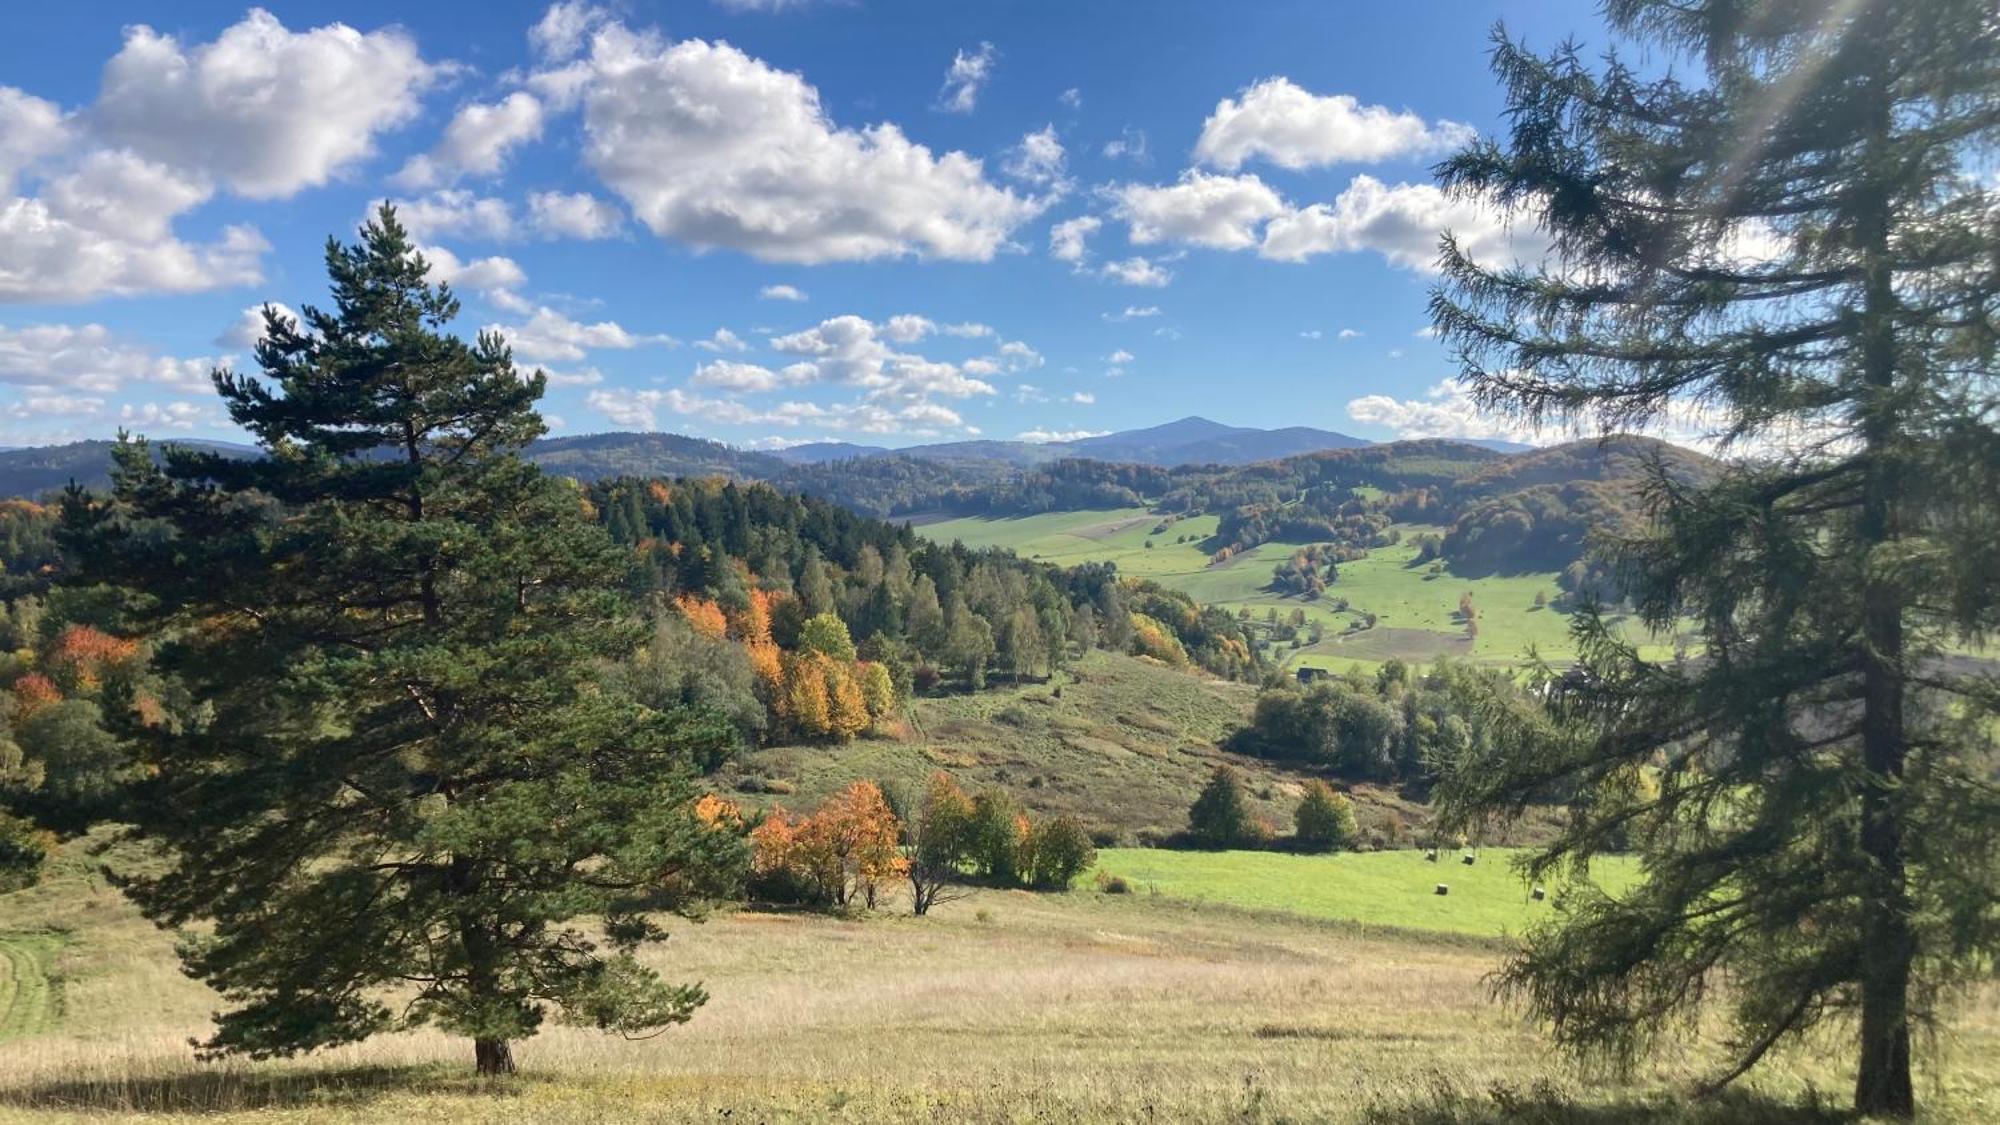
x=1007, y=1006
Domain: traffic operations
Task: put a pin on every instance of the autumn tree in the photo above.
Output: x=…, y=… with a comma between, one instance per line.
x=1781, y=226
x=939, y=842
x=399, y=785
x=1324, y=819
x=1220, y=816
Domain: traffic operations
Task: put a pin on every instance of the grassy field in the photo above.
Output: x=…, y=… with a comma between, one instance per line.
x=1389, y=888
x=1004, y=1007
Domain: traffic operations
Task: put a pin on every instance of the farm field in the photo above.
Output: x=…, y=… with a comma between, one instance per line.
x=1008, y=1006
x=1413, y=608
x=1386, y=888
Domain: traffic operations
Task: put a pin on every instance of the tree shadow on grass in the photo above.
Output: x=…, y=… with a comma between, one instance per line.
x=1544, y=1105
x=235, y=1090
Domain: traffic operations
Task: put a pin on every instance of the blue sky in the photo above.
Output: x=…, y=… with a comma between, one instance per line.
x=765, y=221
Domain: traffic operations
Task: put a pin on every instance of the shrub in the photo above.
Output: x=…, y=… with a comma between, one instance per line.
x=1110, y=884
x=1219, y=817
x=1325, y=819
x=1058, y=850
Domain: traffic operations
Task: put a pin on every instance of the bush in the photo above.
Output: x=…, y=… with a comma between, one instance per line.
x=1325, y=819
x=1058, y=850
x=1219, y=818
x=1110, y=884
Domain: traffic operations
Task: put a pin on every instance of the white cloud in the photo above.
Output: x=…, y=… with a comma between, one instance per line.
x=967, y=330
x=1038, y=160
x=576, y=377
x=1292, y=128
x=550, y=335
x=1134, y=312
x=853, y=351
x=723, y=341
x=908, y=328
x=1121, y=356
x=563, y=28
x=1447, y=410
x=1084, y=398
x=1137, y=270
x=30, y=129
x=1019, y=356
x=46, y=257
x=61, y=358
x=640, y=409
x=1042, y=437
x=1200, y=208
x=716, y=149
x=248, y=328
x=1072, y=97
x=476, y=143
x=761, y=5
x=557, y=214
x=966, y=77
x=483, y=275
x=454, y=211
x=1068, y=239
x=1349, y=333
x=55, y=406
x=729, y=375
x=265, y=110
x=1311, y=334
x=169, y=415
x=1131, y=144
x=781, y=293
x=1402, y=223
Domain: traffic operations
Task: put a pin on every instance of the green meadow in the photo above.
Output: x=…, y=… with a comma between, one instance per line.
x=1415, y=610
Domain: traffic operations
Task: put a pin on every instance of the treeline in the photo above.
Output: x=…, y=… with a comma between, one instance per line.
x=1388, y=728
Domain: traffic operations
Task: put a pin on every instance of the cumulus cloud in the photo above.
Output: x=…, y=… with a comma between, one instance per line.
x=1072, y=97
x=1349, y=333
x=1120, y=356
x=1402, y=223
x=1201, y=209
x=1038, y=160
x=1278, y=121
x=718, y=150
x=483, y=275
x=30, y=129
x=70, y=358
x=1084, y=398
x=1130, y=144
x=1447, y=410
x=454, y=211
x=477, y=142
x=1137, y=270
x=854, y=351
x=550, y=335
x=1069, y=239
x=247, y=330
x=965, y=78
x=640, y=409
x=561, y=32
x=1043, y=437
x=729, y=375
x=264, y=110
x=558, y=214
x=781, y=293
x=723, y=341
x=169, y=415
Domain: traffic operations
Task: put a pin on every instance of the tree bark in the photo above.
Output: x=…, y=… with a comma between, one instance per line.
x=1882, y=1083
x=493, y=1057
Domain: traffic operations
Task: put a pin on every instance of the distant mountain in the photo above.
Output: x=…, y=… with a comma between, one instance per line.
x=819, y=452
x=1188, y=441
x=1497, y=445
x=41, y=469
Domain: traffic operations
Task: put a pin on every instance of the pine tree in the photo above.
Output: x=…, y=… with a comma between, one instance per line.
x=1220, y=816
x=1799, y=247
x=401, y=783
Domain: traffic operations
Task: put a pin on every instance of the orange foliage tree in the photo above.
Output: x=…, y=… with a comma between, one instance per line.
x=848, y=850
x=704, y=615
x=81, y=655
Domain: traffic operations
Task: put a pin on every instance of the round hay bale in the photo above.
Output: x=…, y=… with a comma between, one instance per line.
x=1431, y=855
x=1540, y=894
x=1469, y=860
x=1442, y=889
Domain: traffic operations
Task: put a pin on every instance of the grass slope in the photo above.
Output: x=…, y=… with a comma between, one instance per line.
x=1004, y=1007
x=1123, y=743
x=1414, y=609
x=1389, y=888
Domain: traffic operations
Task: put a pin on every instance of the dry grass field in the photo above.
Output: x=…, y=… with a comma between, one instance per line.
x=1004, y=1007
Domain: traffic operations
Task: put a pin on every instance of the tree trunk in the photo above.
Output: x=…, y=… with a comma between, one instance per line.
x=1882, y=1083
x=494, y=1057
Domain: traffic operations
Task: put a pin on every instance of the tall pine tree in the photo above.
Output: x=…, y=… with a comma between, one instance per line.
x=402, y=784
x=1799, y=242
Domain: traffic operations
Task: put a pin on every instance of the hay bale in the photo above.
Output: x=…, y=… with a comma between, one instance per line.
x=1431, y=855
x=1470, y=859
x=1540, y=894
x=1442, y=889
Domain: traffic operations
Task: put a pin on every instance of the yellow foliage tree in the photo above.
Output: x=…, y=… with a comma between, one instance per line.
x=878, y=690
x=849, y=714
x=704, y=615
x=806, y=706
